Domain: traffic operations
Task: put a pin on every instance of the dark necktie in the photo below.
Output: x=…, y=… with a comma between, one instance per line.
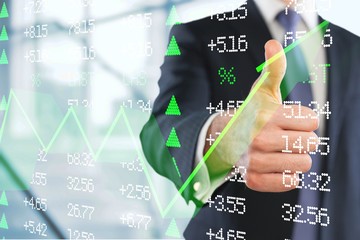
x=296, y=87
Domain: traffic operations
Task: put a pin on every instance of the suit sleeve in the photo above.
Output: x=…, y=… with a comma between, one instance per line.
x=185, y=77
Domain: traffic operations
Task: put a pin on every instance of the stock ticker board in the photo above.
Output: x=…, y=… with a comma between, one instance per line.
x=139, y=119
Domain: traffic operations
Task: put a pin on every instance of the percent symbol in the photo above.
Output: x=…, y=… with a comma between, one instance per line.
x=227, y=76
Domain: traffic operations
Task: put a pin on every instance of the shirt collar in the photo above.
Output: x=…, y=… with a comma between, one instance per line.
x=270, y=8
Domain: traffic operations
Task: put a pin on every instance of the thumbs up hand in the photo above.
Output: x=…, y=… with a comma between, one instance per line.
x=270, y=89
x=255, y=140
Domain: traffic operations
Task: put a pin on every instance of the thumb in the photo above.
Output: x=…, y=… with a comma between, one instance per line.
x=276, y=68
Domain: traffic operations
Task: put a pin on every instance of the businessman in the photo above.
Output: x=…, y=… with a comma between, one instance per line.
x=280, y=170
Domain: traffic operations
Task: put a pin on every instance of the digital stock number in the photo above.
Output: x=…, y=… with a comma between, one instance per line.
x=228, y=204
x=85, y=103
x=304, y=6
x=36, y=31
x=143, y=105
x=295, y=110
x=299, y=147
x=77, y=234
x=83, y=159
x=139, y=192
x=41, y=156
x=229, y=44
x=237, y=14
x=39, y=179
x=311, y=181
x=237, y=174
x=225, y=109
x=319, y=72
x=35, y=56
x=38, y=204
x=82, y=27
x=291, y=37
x=36, y=228
x=35, y=6
x=85, y=53
x=229, y=234
x=80, y=184
x=133, y=166
x=143, y=20
x=312, y=215
x=80, y=211
x=137, y=221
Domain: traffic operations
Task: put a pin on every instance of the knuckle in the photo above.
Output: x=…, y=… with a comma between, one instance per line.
x=313, y=120
x=295, y=164
x=260, y=142
x=264, y=117
x=306, y=163
x=252, y=180
x=254, y=161
x=315, y=123
x=286, y=165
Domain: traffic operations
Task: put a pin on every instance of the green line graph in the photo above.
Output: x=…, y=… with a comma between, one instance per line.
x=71, y=113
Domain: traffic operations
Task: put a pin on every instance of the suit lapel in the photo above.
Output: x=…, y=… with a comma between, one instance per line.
x=336, y=97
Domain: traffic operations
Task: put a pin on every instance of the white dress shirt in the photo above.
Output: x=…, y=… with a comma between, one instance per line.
x=269, y=9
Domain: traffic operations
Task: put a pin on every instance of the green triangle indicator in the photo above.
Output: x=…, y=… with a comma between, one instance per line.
x=3, y=104
x=173, y=18
x=3, y=58
x=173, y=48
x=3, y=222
x=3, y=34
x=4, y=12
x=3, y=199
x=172, y=230
x=173, y=108
x=173, y=140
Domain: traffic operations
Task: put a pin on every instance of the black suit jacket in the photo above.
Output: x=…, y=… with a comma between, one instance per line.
x=193, y=79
